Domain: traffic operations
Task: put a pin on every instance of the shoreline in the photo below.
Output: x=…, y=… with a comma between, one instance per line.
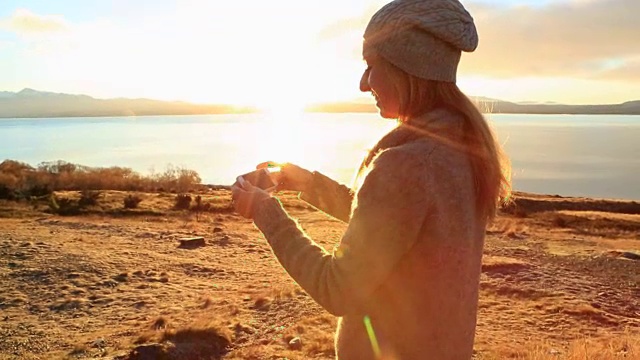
x=129, y=115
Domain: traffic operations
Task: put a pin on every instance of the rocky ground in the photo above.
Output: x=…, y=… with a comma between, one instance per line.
x=561, y=279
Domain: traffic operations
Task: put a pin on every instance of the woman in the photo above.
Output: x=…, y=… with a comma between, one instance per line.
x=404, y=278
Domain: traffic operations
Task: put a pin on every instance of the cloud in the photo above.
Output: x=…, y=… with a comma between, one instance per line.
x=25, y=22
x=347, y=26
x=574, y=38
x=629, y=71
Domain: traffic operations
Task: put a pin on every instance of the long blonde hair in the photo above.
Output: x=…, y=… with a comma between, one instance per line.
x=491, y=168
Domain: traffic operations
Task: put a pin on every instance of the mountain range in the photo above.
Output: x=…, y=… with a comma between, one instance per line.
x=494, y=106
x=30, y=103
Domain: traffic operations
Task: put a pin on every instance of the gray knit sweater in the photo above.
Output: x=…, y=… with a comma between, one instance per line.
x=404, y=278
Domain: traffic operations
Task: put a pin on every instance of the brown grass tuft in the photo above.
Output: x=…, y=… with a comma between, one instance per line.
x=144, y=337
x=201, y=341
x=79, y=350
x=207, y=303
x=160, y=323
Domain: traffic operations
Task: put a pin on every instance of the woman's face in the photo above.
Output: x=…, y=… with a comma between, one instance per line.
x=377, y=80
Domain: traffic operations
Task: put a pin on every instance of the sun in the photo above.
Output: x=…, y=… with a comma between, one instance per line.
x=285, y=130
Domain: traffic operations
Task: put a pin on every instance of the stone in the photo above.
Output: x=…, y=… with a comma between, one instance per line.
x=191, y=242
x=99, y=343
x=630, y=255
x=224, y=240
x=295, y=343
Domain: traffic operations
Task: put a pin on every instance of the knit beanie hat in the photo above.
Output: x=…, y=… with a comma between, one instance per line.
x=422, y=37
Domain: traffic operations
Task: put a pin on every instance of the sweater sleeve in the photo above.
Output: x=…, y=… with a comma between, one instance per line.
x=329, y=196
x=385, y=224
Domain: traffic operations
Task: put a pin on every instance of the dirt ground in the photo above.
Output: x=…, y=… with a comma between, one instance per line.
x=561, y=279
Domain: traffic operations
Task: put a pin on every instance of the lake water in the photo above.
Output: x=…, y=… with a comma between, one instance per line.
x=578, y=155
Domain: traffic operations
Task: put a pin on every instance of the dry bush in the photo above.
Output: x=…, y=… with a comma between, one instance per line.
x=64, y=206
x=182, y=202
x=20, y=180
x=585, y=223
x=132, y=201
x=79, y=350
x=8, y=184
x=200, y=341
x=559, y=221
x=89, y=198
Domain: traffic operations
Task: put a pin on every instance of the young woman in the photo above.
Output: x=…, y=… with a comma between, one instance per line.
x=404, y=279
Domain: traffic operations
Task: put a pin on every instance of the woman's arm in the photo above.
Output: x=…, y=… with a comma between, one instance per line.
x=329, y=196
x=386, y=222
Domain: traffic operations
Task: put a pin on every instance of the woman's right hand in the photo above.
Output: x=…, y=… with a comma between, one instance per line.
x=290, y=177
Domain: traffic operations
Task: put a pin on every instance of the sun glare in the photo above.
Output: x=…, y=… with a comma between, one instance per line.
x=285, y=130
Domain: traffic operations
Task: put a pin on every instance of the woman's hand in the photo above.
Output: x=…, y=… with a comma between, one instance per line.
x=246, y=197
x=290, y=177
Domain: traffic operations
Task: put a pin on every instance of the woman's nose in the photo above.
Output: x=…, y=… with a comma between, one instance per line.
x=364, y=82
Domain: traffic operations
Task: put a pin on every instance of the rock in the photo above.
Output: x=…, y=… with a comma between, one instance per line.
x=295, y=343
x=192, y=242
x=241, y=328
x=224, y=240
x=217, y=230
x=630, y=255
x=124, y=277
x=623, y=254
x=554, y=352
x=99, y=343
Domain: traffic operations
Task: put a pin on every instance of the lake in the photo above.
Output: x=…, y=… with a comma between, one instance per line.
x=570, y=155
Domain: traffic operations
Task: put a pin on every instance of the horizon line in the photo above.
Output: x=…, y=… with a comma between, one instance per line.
x=362, y=100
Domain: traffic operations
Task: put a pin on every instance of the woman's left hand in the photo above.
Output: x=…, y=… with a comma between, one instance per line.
x=246, y=198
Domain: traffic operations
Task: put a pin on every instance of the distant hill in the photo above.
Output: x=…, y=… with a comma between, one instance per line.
x=32, y=103
x=494, y=106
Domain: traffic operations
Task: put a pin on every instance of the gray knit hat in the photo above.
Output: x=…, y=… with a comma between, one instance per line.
x=422, y=37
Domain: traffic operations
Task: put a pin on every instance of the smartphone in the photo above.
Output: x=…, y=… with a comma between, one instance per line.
x=260, y=178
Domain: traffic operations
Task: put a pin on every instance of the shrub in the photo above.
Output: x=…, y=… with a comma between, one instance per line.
x=37, y=190
x=14, y=167
x=63, y=206
x=132, y=201
x=19, y=180
x=8, y=184
x=198, y=206
x=183, y=202
x=89, y=198
x=6, y=193
x=559, y=221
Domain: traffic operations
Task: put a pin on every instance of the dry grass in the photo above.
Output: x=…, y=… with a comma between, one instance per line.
x=112, y=203
x=547, y=292
x=622, y=346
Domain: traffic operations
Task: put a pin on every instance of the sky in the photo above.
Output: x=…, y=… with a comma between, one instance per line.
x=283, y=53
